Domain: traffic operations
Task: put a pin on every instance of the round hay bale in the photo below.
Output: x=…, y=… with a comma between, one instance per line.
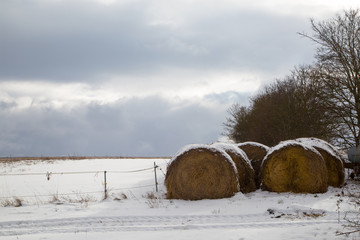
x=246, y=173
x=334, y=164
x=201, y=172
x=256, y=153
x=294, y=167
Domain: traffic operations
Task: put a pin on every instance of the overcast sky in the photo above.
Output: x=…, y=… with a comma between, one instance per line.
x=140, y=77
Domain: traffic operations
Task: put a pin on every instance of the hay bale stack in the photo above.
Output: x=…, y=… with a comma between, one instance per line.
x=201, y=172
x=294, y=167
x=246, y=173
x=256, y=153
x=334, y=164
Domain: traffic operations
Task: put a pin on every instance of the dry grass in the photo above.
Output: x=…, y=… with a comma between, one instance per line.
x=201, y=173
x=155, y=199
x=256, y=153
x=84, y=200
x=14, y=202
x=294, y=168
x=119, y=197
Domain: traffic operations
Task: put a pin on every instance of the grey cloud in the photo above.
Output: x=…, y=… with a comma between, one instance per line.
x=133, y=127
x=7, y=105
x=67, y=41
x=72, y=41
x=255, y=40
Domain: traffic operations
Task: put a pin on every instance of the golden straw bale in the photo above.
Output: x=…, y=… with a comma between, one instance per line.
x=335, y=167
x=245, y=171
x=256, y=153
x=201, y=172
x=294, y=167
x=334, y=164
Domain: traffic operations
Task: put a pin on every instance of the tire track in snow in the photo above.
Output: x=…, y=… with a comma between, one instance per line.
x=150, y=223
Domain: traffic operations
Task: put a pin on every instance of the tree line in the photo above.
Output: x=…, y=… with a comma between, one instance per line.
x=320, y=100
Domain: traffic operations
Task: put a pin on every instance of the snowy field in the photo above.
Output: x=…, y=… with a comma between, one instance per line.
x=63, y=199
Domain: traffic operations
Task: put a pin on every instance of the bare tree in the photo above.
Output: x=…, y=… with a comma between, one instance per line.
x=338, y=63
x=237, y=125
x=287, y=109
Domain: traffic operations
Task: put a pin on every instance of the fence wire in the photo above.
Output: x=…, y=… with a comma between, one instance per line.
x=48, y=174
x=64, y=173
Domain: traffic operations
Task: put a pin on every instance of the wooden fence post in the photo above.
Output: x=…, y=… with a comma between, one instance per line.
x=156, y=182
x=105, y=183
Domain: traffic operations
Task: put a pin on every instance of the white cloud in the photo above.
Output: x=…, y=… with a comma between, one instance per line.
x=185, y=84
x=42, y=94
x=180, y=90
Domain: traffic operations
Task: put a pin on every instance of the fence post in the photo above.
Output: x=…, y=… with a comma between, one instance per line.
x=105, y=183
x=156, y=183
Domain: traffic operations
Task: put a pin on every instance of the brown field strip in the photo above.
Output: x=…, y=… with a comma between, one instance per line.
x=16, y=159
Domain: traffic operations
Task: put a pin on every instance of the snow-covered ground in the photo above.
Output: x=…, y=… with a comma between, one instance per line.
x=63, y=200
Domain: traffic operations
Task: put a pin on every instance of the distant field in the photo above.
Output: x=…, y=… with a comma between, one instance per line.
x=42, y=158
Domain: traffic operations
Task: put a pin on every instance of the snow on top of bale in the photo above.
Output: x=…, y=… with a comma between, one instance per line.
x=211, y=148
x=291, y=143
x=318, y=143
x=254, y=144
x=233, y=148
x=332, y=150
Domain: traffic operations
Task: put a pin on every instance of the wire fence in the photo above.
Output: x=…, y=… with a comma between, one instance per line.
x=63, y=173
x=49, y=175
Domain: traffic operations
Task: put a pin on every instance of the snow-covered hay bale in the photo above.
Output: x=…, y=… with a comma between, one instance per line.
x=294, y=167
x=334, y=164
x=201, y=172
x=245, y=170
x=256, y=153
